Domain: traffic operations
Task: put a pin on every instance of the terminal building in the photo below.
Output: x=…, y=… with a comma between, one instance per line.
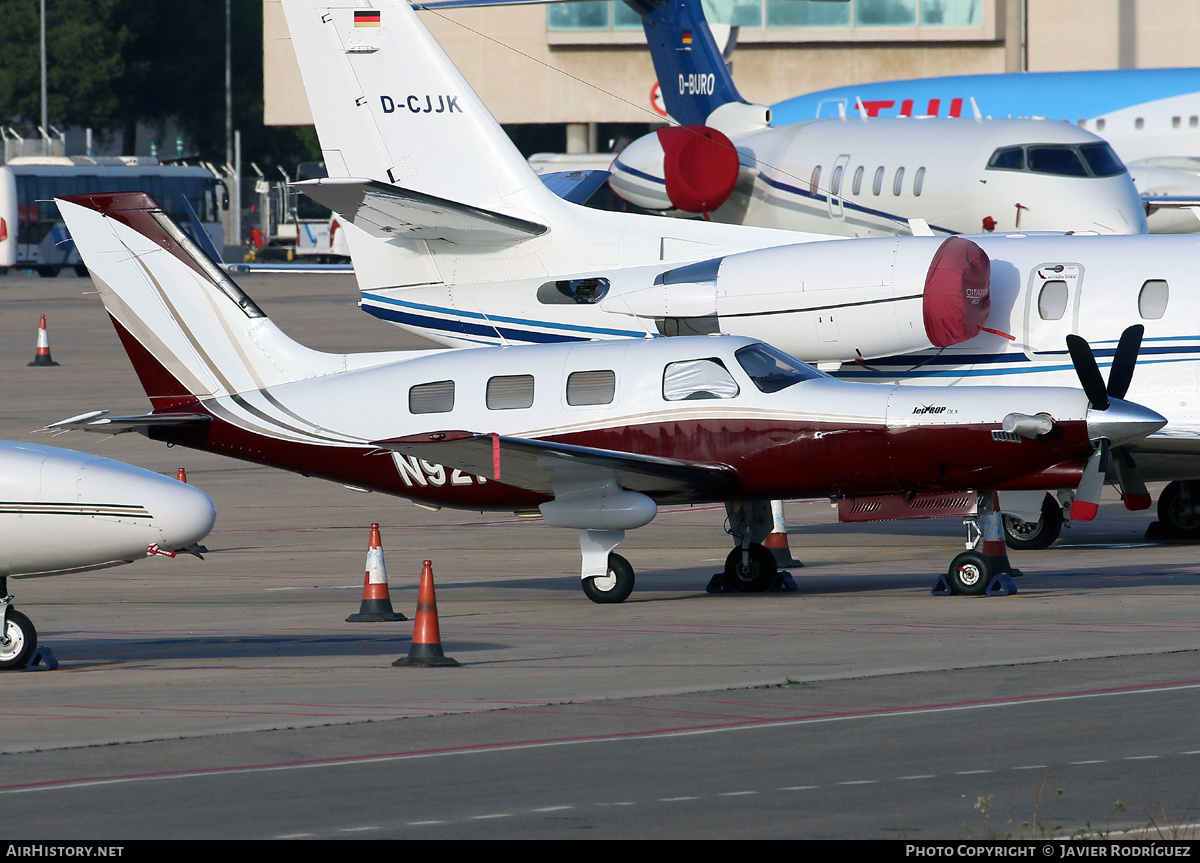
x=574, y=76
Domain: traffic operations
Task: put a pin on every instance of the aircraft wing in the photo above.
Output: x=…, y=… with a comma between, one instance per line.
x=1169, y=441
x=387, y=211
x=1170, y=202
x=100, y=421
x=539, y=465
x=575, y=186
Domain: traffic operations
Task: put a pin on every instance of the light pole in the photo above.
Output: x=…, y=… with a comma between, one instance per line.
x=45, y=124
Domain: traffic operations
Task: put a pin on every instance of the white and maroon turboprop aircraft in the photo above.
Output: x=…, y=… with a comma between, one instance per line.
x=595, y=435
x=63, y=512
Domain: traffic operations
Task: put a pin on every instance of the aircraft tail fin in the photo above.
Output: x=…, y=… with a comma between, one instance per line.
x=390, y=106
x=190, y=332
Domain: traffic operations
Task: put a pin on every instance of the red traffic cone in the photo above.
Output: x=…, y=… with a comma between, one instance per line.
x=42, y=356
x=777, y=540
x=182, y=475
x=376, y=603
x=426, y=650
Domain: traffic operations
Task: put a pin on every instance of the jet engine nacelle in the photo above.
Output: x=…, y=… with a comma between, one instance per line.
x=692, y=169
x=829, y=302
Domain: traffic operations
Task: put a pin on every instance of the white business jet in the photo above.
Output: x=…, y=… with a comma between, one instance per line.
x=593, y=435
x=63, y=512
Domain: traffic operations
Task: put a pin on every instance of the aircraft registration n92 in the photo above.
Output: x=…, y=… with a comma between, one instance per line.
x=593, y=435
x=64, y=512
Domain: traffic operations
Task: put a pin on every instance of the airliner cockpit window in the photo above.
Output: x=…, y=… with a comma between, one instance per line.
x=772, y=370
x=698, y=379
x=1008, y=159
x=1102, y=160
x=1060, y=161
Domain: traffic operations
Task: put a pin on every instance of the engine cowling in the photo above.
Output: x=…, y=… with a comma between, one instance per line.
x=692, y=169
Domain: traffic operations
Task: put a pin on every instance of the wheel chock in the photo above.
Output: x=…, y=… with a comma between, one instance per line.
x=1001, y=585
x=42, y=654
x=783, y=583
x=716, y=584
x=941, y=587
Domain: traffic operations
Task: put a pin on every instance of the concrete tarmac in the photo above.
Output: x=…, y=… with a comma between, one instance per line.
x=179, y=661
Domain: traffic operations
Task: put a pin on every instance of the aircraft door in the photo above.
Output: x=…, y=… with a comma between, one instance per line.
x=837, y=181
x=1052, y=308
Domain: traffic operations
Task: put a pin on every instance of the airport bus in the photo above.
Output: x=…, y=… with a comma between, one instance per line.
x=32, y=233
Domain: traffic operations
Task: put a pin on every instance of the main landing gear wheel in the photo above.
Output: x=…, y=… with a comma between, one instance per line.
x=18, y=641
x=970, y=573
x=1179, y=510
x=1035, y=534
x=754, y=577
x=614, y=586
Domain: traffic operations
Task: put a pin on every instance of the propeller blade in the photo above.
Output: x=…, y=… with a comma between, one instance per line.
x=1133, y=491
x=1121, y=373
x=1088, y=372
x=1087, y=496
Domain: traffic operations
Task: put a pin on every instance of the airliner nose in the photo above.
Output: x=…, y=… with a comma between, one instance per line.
x=1123, y=421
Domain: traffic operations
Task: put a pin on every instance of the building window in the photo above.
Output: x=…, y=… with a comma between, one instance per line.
x=781, y=14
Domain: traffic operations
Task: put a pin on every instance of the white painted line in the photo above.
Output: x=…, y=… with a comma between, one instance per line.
x=800, y=788
x=675, y=799
x=486, y=817
x=859, y=782
x=1093, y=761
x=1031, y=767
x=423, y=823
x=553, y=808
x=971, y=772
x=921, y=776
x=735, y=793
x=357, y=829
x=1141, y=757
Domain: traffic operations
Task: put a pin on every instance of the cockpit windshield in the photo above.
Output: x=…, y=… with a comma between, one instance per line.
x=1059, y=160
x=772, y=370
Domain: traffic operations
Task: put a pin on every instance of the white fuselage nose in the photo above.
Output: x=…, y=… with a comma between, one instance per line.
x=62, y=510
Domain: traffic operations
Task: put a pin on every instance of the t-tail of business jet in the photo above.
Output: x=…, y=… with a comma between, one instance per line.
x=442, y=203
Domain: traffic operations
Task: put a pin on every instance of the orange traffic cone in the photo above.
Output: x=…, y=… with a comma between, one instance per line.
x=42, y=356
x=426, y=650
x=376, y=603
x=182, y=475
x=777, y=540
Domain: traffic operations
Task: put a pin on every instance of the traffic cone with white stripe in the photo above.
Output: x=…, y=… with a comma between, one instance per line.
x=376, y=603
x=777, y=540
x=426, y=649
x=42, y=355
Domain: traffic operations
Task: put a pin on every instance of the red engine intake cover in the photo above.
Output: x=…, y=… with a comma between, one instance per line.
x=700, y=166
x=957, y=292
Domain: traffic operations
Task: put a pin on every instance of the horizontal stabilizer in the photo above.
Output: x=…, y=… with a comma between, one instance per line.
x=577, y=187
x=100, y=421
x=539, y=465
x=386, y=211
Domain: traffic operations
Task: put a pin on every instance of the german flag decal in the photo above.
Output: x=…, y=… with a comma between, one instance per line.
x=369, y=18
x=687, y=36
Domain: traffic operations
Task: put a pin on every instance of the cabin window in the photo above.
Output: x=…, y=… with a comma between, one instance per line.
x=698, y=379
x=856, y=186
x=591, y=387
x=919, y=182
x=898, y=182
x=1176, y=122
x=1139, y=123
x=432, y=398
x=772, y=370
x=1052, y=301
x=1152, y=300
x=573, y=291
x=814, y=182
x=509, y=392
x=835, y=184
x=1100, y=125
x=877, y=185
x=1193, y=121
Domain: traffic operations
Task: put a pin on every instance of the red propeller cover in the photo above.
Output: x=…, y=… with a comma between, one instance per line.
x=700, y=166
x=957, y=292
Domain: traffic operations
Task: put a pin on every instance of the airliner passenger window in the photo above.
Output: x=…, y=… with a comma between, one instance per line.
x=1052, y=300
x=509, y=392
x=698, y=379
x=814, y=182
x=835, y=185
x=591, y=387
x=919, y=182
x=1152, y=300
x=434, y=398
x=877, y=186
x=858, y=175
x=1061, y=161
x=898, y=183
